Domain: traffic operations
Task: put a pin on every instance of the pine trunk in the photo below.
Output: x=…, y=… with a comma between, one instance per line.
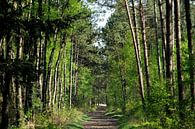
x=139, y=68
x=169, y=48
x=144, y=41
x=163, y=37
x=158, y=58
x=191, y=52
x=179, y=59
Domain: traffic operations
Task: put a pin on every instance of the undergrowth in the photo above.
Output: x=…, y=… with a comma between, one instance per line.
x=135, y=118
x=56, y=119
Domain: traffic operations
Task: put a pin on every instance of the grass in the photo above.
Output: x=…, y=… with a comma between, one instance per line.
x=57, y=119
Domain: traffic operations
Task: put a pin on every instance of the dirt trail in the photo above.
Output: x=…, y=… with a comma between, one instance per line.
x=100, y=121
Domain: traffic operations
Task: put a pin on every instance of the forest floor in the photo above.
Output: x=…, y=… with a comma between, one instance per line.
x=99, y=120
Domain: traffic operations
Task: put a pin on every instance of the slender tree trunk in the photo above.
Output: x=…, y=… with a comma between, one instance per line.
x=44, y=87
x=71, y=75
x=50, y=89
x=163, y=37
x=191, y=52
x=141, y=84
x=5, y=103
x=19, y=104
x=156, y=40
x=76, y=73
x=5, y=90
x=56, y=72
x=173, y=47
x=50, y=71
x=179, y=59
x=135, y=21
x=64, y=69
x=169, y=48
x=144, y=41
x=60, y=87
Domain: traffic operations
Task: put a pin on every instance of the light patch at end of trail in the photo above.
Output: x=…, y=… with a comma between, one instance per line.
x=101, y=105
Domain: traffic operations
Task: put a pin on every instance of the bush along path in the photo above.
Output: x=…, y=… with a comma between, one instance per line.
x=99, y=120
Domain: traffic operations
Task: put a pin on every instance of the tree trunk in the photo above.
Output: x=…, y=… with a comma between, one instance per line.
x=163, y=37
x=141, y=84
x=135, y=20
x=76, y=73
x=71, y=75
x=191, y=52
x=64, y=77
x=19, y=104
x=5, y=90
x=144, y=41
x=156, y=40
x=56, y=72
x=5, y=103
x=169, y=48
x=179, y=59
x=50, y=71
x=44, y=87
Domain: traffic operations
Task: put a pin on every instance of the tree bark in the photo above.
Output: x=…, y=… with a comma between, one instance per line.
x=191, y=52
x=50, y=71
x=18, y=87
x=44, y=87
x=71, y=74
x=158, y=58
x=179, y=59
x=144, y=41
x=139, y=68
x=169, y=48
x=5, y=89
x=163, y=37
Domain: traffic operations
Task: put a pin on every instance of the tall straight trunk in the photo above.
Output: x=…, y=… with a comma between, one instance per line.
x=64, y=77
x=56, y=72
x=156, y=40
x=19, y=104
x=163, y=37
x=173, y=47
x=169, y=47
x=49, y=70
x=57, y=68
x=76, y=73
x=191, y=52
x=139, y=68
x=33, y=57
x=6, y=77
x=5, y=88
x=5, y=103
x=144, y=41
x=39, y=67
x=44, y=87
x=178, y=51
x=50, y=89
x=136, y=29
x=71, y=76
x=60, y=87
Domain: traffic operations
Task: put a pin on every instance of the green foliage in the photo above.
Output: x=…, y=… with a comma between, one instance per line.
x=57, y=119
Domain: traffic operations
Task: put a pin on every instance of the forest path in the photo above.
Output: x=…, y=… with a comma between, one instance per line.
x=99, y=120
